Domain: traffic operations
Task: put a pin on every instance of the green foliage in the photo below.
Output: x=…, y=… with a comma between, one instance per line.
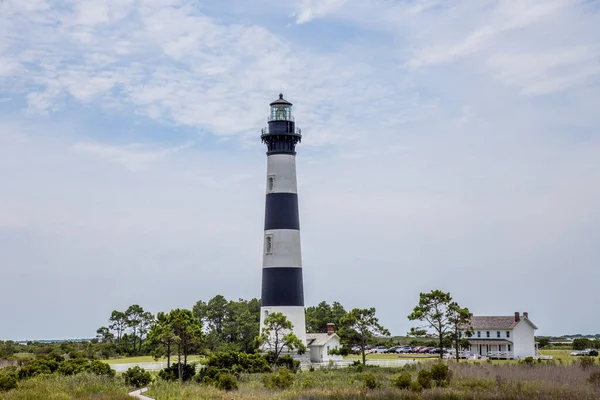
x=587, y=362
x=370, y=381
x=8, y=380
x=363, y=325
x=227, y=382
x=243, y=362
x=38, y=366
x=187, y=372
x=100, y=368
x=208, y=375
x=442, y=316
x=318, y=317
x=167, y=374
x=277, y=335
x=527, y=361
x=594, y=379
x=441, y=374
x=73, y=366
x=282, y=379
x=581, y=343
x=137, y=377
x=543, y=342
x=286, y=361
x=402, y=381
x=425, y=378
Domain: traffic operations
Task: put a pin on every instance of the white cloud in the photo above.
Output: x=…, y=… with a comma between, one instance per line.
x=311, y=9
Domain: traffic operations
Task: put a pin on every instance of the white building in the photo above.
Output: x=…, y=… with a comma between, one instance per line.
x=506, y=337
x=320, y=345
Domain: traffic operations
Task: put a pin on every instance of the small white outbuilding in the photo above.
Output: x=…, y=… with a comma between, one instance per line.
x=320, y=345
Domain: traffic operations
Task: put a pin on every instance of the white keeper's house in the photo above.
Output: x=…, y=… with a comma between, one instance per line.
x=502, y=337
x=320, y=345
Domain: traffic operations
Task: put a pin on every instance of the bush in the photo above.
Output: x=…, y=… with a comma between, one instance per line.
x=74, y=366
x=402, y=381
x=440, y=374
x=283, y=379
x=227, y=382
x=527, y=361
x=187, y=371
x=100, y=368
x=8, y=382
x=594, y=379
x=248, y=363
x=586, y=362
x=416, y=386
x=370, y=381
x=137, y=377
x=37, y=367
x=208, y=375
x=424, y=378
x=167, y=374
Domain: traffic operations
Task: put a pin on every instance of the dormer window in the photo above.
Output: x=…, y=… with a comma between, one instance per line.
x=478, y=333
x=487, y=334
x=498, y=334
x=507, y=334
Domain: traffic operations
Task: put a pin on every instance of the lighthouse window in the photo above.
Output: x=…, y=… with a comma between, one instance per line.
x=270, y=183
x=269, y=245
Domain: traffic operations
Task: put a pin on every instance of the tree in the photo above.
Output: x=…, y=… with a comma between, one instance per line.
x=581, y=343
x=364, y=325
x=118, y=323
x=161, y=334
x=543, y=342
x=104, y=335
x=318, y=317
x=440, y=314
x=277, y=335
x=460, y=321
x=187, y=331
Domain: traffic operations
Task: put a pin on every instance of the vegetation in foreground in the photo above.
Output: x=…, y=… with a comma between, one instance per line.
x=73, y=387
x=424, y=381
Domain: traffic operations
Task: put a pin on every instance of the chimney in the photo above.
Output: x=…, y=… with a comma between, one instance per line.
x=517, y=316
x=526, y=314
x=330, y=328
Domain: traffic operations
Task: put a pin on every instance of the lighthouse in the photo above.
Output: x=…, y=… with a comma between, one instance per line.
x=282, y=287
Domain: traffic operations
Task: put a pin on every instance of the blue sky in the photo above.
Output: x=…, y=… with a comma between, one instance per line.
x=449, y=145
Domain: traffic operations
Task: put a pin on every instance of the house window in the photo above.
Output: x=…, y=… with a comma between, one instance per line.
x=478, y=333
x=507, y=333
x=487, y=334
x=270, y=183
x=266, y=313
x=269, y=244
x=498, y=334
x=508, y=347
x=327, y=350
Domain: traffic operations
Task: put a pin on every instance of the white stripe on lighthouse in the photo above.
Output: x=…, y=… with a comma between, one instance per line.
x=281, y=168
x=285, y=248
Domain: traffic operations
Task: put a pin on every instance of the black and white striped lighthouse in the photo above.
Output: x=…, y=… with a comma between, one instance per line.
x=282, y=288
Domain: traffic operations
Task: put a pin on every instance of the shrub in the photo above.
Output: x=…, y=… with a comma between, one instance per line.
x=586, y=362
x=370, y=381
x=416, y=386
x=187, y=371
x=527, y=361
x=227, y=382
x=594, y=379
x=74, y=366
x=137, y=377
x=208, y=375
x=440, y=374
x=424, y=378
x=248, y=363
x=38, y=366
x=360, y=368
x=8, y=381
x=402, y=381
x=100, y=368
x=167, y=374
x=283, y=379
x=286, y=361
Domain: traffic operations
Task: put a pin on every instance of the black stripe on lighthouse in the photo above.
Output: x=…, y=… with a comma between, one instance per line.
x=281, y=211
x=282, y=287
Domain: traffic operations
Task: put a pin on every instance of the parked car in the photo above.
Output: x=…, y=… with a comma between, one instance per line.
x=589, y=352
x=434, y=351
x=416, y=349
x=378, y=350
x=392, y=349
x=576, y=353
x=425, y=350
x=404, y=350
